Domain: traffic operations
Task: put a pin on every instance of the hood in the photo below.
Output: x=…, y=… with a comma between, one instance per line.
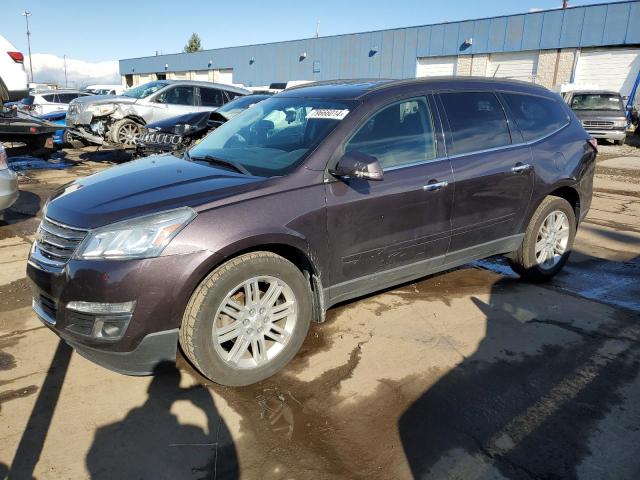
x=608, y=115
x=197, y=121
x=100, y=99
x=141, y=187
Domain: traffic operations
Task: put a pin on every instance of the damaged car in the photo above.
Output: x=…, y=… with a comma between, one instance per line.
x=118, y=120
x=179, y=133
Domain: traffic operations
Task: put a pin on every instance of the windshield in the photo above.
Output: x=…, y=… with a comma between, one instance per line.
x=597, y=101
x=240, y=104
x=144, y=90
x=273, y=136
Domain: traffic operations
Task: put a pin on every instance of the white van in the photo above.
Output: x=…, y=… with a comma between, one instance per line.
x=13, y=77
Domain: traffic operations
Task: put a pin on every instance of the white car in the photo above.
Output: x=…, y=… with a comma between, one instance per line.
x=40, y=102
x=103, y=89
x=13, y=77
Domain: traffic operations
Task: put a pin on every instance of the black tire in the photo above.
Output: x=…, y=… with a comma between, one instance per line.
x=196, y=331
x=4, y=93
x=124, y=132
x=523, y=261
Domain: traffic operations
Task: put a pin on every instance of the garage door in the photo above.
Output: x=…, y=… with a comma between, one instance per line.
x=224, y=75
x=610, y=69
x=200, y=75
x=516, y=65
x=436, y=66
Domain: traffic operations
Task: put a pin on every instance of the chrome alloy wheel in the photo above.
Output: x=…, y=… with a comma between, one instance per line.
x=128, y=133
x=254, y=322
x=552, y=239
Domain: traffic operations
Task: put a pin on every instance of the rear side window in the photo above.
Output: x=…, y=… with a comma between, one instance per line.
x=399, y=134
x=477, y=121
x=211, y=97
x=180, y=95
x=50, y=98
x=536, y=116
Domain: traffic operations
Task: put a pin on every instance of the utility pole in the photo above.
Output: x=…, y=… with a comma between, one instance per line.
x=65, y=70
x=318, y=29
x=26, y=16
x=565, y=3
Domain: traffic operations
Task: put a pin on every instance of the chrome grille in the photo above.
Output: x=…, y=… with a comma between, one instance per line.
x=56, y=242
x=597, y=123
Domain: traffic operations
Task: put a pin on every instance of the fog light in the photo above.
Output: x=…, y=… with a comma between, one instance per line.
x=105, y=321
x=102, y=308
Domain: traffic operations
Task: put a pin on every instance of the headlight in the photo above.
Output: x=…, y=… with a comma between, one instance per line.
x=142, y=237
x=102, y=109
x=620, y=123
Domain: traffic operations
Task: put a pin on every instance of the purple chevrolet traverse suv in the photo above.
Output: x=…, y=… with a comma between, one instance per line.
x=317, y=195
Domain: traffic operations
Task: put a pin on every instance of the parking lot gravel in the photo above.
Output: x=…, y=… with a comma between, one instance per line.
x=467, y=374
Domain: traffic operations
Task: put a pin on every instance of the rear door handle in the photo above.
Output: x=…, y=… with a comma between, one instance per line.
x=520, y=167
x=430, y=187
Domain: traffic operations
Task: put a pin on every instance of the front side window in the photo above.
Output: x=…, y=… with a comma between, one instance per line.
x=211, y=97
x=181, y=95
x=144, y=90
x=477, y=121
x=50, y=98
x=597, y=101
x=400, y=134
x=273, y=136
x=536, y=116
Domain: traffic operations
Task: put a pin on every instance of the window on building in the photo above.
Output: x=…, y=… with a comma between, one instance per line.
x=211, y=97
x=477, y=121
x=536, y=116
x=399, y=134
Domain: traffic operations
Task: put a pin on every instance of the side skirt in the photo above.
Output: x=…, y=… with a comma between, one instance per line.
x=395, y=276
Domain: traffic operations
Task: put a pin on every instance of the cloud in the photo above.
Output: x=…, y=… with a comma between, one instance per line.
x=50, y=68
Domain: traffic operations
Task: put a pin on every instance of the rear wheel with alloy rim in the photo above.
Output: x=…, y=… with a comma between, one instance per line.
x=547, y=242
x=247, y=319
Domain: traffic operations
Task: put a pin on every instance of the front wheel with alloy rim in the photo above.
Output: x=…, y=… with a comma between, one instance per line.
x=247, y=319
x=125, y=132
x=547, y=242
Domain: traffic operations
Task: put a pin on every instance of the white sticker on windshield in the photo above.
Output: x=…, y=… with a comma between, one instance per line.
x=328, y=113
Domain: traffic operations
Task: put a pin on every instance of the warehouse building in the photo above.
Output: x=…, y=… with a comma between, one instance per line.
x=594, y=45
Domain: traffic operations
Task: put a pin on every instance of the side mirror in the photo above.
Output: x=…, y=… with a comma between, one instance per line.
x=356, y=164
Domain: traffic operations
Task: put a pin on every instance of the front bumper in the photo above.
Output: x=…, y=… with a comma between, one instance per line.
x=608, y=134
x=151, y=334
x=8, y=188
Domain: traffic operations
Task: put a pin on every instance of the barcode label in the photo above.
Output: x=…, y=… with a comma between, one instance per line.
x=328, y=113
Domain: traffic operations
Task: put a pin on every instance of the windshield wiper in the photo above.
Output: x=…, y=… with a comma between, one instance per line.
x=220, y=161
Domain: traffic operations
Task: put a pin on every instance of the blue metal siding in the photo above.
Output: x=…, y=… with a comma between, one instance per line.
x=347, y=56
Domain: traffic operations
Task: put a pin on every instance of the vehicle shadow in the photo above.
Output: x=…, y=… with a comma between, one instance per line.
x=150, y=442
x=527, y=402
x=27, y=206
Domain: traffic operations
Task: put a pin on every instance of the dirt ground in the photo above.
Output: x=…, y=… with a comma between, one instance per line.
x=469, y=374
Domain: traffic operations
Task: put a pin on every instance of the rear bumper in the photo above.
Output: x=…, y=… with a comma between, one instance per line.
x=8, y=188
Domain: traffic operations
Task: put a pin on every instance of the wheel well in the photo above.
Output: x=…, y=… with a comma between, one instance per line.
x=570, y=195
x=135, y=118
x=308, y=269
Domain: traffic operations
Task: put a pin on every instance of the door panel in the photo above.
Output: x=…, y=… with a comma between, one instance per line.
x=490, y=198
x=493, y=179
x=375, y=227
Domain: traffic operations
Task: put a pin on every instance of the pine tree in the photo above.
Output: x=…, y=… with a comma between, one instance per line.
x=193, y=45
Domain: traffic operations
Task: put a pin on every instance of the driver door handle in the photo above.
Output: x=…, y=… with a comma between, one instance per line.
x=433, y=186
x=520, y=167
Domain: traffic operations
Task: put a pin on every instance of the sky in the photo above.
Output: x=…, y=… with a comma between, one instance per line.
x=95, y=32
